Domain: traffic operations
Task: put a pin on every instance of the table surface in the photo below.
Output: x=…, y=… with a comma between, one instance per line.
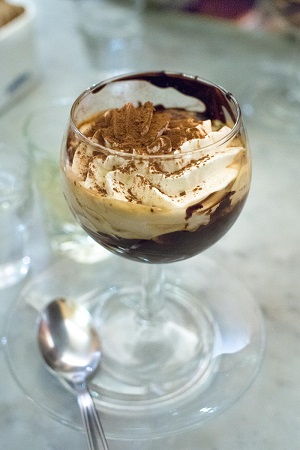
x=262, y=249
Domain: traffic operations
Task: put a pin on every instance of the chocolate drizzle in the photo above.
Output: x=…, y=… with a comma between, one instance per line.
x=191, y=209
x=217, y=101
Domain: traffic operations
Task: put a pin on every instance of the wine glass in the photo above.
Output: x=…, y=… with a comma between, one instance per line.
x=273, y=98
x=149, y=195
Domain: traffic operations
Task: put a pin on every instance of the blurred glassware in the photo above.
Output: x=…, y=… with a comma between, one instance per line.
x=16, y=205
x=111, y=31
x=43, y=130
x=18, y=46
x=273, y=98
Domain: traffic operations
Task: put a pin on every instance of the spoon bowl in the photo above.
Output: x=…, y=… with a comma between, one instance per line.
x=71, y=348
x=68, y=341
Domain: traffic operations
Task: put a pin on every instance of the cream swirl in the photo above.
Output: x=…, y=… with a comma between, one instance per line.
x=191, y=175
x=167, y=160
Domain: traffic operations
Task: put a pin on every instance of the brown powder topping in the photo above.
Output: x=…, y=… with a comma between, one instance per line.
x=144, y=129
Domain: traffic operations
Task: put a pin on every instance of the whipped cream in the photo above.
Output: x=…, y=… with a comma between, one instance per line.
x=161, y=164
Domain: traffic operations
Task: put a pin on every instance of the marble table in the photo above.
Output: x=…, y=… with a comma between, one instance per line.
x=262, y=249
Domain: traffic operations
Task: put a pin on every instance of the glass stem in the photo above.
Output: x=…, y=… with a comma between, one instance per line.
x=153, y=299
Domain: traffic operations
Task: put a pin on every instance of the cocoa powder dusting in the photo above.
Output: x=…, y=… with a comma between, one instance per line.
x=144, y=129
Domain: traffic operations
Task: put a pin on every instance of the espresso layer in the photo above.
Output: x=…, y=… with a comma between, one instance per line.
x=176, y=246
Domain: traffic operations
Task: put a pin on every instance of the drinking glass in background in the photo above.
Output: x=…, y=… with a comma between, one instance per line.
x=43, y=129
x=273, y=99
x=16, y=207
x=111, y=32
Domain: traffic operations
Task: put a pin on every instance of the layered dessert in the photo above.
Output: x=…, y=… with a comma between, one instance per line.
x=154, y=183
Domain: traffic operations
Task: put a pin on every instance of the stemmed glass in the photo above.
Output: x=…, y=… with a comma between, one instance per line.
x=159, y=340
x=273, y=98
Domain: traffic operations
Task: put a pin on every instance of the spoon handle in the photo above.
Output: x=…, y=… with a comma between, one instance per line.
x=95, y=434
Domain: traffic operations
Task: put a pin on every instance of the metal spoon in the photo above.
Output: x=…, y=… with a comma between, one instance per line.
x=70, y=347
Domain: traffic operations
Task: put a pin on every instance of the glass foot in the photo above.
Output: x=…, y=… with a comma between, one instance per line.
x=152, y=359
x=153, y=380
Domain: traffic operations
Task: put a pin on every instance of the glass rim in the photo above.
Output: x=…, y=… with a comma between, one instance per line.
x=126, y=77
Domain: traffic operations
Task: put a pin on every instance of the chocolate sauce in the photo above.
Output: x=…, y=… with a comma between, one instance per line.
x=174, y=246
x=219, y=104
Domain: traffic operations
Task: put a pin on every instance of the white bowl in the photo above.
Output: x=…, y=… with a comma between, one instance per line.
x=18, y=56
